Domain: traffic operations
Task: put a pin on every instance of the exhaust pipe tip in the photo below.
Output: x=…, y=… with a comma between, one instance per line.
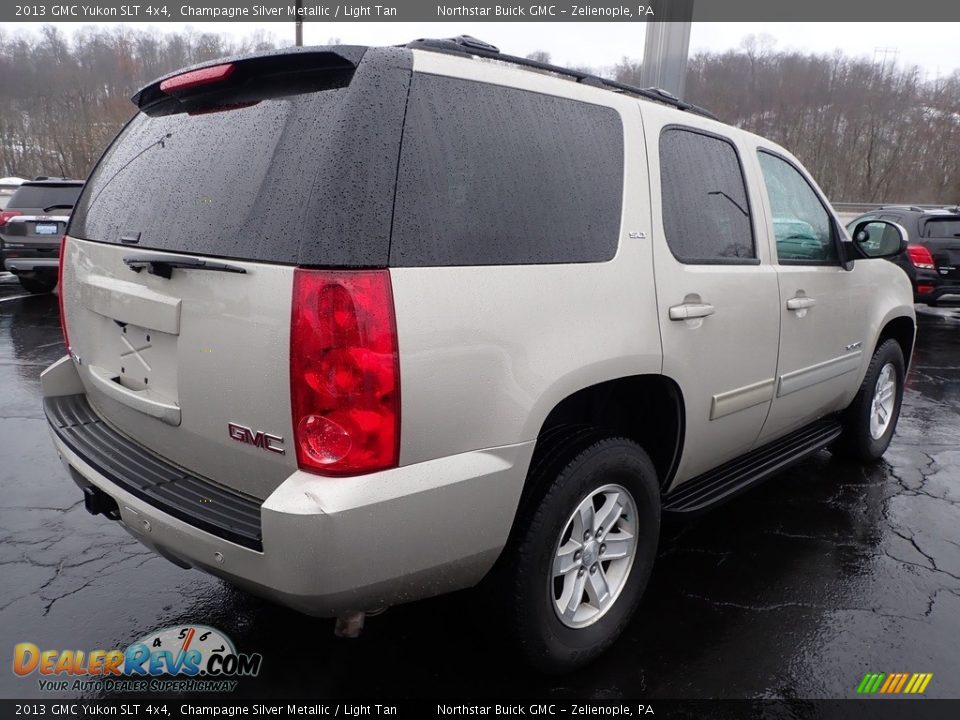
x=349, y=625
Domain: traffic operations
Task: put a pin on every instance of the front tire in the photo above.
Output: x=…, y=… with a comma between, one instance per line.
x=871, y=419
x=582, y=552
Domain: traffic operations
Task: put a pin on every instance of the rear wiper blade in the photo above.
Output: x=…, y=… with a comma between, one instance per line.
x=163, y=265
x=58, y=207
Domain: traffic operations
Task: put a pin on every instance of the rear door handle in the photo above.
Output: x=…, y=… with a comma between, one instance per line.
x=800, y=303
x=690, y=311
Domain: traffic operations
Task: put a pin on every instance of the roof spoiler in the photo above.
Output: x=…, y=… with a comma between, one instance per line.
x=247, y=79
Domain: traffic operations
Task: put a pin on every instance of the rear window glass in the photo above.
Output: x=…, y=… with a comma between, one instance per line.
x=305, y=178
x=942, y=228
x=495, y=175
x=45, y=196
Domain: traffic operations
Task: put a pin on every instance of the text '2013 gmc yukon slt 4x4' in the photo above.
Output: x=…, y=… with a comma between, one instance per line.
x=354, y=326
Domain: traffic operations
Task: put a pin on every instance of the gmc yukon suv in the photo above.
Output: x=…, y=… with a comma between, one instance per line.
x=351, y=326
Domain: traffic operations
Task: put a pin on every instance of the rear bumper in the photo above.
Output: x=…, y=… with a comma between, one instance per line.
x=941, y=291
x=330, y=545
x=21, y=265
x=938, y=285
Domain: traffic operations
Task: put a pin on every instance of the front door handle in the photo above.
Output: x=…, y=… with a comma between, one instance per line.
x=690, y=311
x=800, y=303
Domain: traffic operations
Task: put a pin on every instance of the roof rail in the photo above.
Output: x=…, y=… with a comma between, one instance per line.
x=467, y=45
x=912, y=208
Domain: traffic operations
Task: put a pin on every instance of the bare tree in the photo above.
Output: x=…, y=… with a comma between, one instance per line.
x=868, y=131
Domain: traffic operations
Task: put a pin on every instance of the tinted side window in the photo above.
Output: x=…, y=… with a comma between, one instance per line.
x=801, y=224
x=942, y=228
x=491, y=175
x=706, y=214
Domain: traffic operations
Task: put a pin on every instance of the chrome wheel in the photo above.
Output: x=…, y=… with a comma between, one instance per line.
x=593, y=556
x=884, y=398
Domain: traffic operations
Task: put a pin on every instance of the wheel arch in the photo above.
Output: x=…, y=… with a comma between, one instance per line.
x=648, y=409
x=903, y=329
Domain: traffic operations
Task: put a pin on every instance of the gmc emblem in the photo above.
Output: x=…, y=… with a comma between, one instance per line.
x=262, y=440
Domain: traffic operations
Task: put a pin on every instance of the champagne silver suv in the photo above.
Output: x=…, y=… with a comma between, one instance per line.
x=354, y=326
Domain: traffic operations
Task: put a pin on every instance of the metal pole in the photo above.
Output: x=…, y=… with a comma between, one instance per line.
x=299, y=24
x=666, y=49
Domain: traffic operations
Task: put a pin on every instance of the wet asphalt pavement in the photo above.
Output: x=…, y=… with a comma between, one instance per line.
x=793, y=590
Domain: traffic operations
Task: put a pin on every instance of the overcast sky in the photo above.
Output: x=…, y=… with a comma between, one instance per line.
x=933, y=46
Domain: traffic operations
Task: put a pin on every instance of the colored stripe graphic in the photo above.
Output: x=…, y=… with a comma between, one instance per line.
x=894, y=683
x=871, y=683
x=903, y=680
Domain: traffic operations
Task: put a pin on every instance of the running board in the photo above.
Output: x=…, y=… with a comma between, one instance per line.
x=734, y=477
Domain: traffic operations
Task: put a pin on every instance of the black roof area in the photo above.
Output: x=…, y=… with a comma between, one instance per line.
x=467, y=45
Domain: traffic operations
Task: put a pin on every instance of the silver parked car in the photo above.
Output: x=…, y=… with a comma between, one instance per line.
x=354, y=326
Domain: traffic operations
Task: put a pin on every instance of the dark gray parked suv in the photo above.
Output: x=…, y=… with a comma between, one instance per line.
x=31, y=227
x=932, y=259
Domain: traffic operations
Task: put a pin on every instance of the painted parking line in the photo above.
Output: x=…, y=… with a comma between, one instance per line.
x=15, y=297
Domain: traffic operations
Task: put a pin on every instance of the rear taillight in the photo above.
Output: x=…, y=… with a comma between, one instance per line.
x=920, y=257
x=63, y=317
x=344, y=371
x=8, y=215
x=195, y=78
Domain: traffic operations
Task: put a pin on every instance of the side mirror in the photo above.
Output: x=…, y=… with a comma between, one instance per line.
x=879, y=239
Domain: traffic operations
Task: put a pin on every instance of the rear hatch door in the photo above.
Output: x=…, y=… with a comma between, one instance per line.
x=180, y=257
x=941, y=236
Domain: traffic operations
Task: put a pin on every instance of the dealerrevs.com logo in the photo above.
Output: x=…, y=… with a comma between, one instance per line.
x=193, y=658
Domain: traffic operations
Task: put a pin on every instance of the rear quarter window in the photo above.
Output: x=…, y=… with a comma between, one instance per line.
x=491, y=175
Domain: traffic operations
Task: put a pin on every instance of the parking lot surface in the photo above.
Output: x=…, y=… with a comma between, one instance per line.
x=793, y=590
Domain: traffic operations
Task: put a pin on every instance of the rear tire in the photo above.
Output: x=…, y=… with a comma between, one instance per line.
x=569, y=585
x=871, y=419
x=37, y=285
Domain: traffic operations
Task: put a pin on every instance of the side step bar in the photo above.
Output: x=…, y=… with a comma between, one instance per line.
x=734, y=477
